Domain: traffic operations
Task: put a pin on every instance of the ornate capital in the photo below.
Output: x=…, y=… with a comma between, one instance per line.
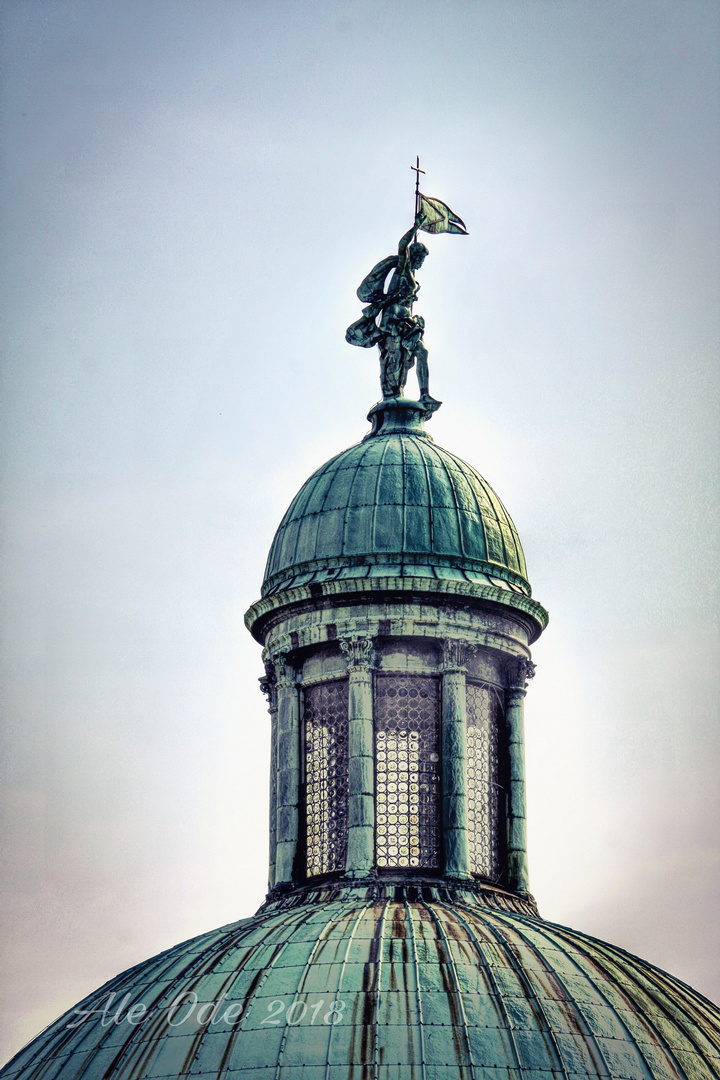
x=284, y=671
x=268, y=683
x=521, y=673
x=455, y=654
x=358, y=652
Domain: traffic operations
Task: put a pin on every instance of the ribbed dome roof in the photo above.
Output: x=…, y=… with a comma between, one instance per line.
x=396, y=505
x=427, y=989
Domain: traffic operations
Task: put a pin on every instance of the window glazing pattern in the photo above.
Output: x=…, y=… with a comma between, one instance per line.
x=326, y=776
x=483, y=780
x=407, y=771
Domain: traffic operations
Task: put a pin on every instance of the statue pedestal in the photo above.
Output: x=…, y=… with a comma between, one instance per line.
x=400, y=414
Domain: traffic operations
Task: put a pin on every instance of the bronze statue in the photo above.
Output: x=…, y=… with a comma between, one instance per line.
x=388, y=321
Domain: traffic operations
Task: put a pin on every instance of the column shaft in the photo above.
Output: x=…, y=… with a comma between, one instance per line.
x=454, y=774
x=361, y=779
x=518, y=879
x=273, y=796
x=288, y=774
x=361, y=776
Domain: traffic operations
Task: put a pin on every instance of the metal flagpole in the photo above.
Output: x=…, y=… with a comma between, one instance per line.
x=417, y=170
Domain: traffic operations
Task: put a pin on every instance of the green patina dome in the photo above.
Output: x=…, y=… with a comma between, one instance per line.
x=396, y=505
x=421, y=983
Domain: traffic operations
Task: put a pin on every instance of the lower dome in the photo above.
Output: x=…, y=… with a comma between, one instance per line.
x=390, y=983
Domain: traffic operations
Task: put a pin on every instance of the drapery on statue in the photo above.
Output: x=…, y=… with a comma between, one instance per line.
x=388, y=321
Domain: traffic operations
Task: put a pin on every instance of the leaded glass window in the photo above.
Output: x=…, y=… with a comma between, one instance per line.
x=326, y=776
x=484, y=714
x=407, y=771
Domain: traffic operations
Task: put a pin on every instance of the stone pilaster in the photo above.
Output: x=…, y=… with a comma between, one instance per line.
x=361, y=777
x=288, y=770
x=454, y=761
x=518, y=879
x=268, y=685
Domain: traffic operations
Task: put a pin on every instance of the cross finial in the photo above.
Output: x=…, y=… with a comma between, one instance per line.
x=417, y=170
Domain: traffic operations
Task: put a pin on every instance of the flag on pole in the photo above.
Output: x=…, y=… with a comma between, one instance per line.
x=437, y=217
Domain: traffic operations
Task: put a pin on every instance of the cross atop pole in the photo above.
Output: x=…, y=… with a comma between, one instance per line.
x=417, y=170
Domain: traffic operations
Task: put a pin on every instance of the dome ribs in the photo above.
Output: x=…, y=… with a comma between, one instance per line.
x=434, y=983
x=287, y=533
x=334, y=511
x=511, y=544
x=418, y=516
x=455, y=999
x=350, y=943
x=258, y=980
x=579, y=1010
x=627, y=1039
x=357, y=530
x=377, y=949
x=396, y=505
x=448, y=531
x=418, y=999
x=431, y=510
x=386, y=522
x=299, y=990
x=650, y=996
x=523, y=981
x=308, y=514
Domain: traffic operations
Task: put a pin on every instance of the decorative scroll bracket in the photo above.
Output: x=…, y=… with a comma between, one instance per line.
x=358, y=652
x=455, y=654
x=268, y=683
x=284, y=670
x=521, y=673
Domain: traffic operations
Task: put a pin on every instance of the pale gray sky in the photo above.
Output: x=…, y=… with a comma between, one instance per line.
x=191, y=193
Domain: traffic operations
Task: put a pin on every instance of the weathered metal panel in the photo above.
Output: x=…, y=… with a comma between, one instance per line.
x=410, y=989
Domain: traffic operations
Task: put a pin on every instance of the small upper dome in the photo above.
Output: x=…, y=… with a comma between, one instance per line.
x=396, y=505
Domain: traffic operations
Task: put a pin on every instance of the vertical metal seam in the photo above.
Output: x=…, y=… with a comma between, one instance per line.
x=299, y=921
x=528, y=987
x=499, y=513
x=609, y=959
x=356, y=471
x=315, y=480
x=340, y=980
x=386, y=447
x=418, y=998
x=456, y=983
x=431, y=508
x=660, y=1037
x=456, y=502
x=378, y=994
x=131, y=1044
x=509, y=919
x=299, y=990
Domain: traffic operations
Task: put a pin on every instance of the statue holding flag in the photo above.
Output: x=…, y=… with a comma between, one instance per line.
x=388, y=321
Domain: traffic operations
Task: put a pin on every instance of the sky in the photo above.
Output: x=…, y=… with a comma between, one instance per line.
x=191, y=193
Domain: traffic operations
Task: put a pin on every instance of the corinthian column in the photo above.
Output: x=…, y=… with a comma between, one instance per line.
x=518, y=879
x=454, y=761
x=268, y=685
x=288, y=770
x=361, y=777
